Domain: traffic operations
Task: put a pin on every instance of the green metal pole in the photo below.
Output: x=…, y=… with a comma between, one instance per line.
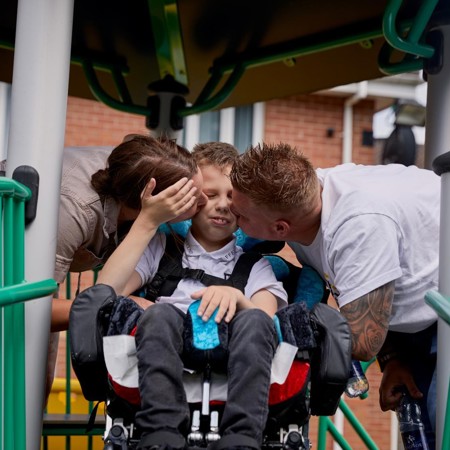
x=446, y=435
x=337, y=436
x=1, y=323
x=19, y=328
x=362, y=433
x=8, y=351
x=322, y=433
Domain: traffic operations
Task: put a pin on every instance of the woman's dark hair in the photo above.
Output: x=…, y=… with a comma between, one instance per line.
x=133, y=163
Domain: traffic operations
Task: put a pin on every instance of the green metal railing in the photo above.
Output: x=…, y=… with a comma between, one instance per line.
x=14, y=290
x=441, y=305
x=407, y=38
x=69, y=429
x=326, y=425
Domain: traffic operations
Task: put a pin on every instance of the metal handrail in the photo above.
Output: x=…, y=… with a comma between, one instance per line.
x=326, y=425
x=14, y=290
x=22, y=292
x=441, y=305
x=406, y=38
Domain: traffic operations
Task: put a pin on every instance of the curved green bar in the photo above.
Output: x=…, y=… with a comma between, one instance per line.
x=12, y=188
x=103, y=97
x=410, y=44
x=413, y=31
x=440, y=304
x=11, y=295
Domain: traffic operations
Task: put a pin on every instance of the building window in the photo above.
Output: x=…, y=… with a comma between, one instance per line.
x=241, y=126
x=209, y=126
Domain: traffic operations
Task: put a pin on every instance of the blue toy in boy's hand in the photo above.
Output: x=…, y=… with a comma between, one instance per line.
x=205, y=333
x=205, y=343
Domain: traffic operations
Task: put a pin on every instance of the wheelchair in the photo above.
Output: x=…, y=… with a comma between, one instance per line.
x=286, y=428
x=307, y=390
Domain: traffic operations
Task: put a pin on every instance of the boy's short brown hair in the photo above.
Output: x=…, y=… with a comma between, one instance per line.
x=219, y=154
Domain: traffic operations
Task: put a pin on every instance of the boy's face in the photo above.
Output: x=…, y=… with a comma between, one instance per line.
x=214, y=224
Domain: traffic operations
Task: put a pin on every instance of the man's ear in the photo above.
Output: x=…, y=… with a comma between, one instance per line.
x=281, y=228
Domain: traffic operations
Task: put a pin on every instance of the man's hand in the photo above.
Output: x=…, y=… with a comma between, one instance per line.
x=225, y=298
x=396, y=376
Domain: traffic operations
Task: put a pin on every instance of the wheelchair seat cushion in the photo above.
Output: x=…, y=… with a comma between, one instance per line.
x=124, y=316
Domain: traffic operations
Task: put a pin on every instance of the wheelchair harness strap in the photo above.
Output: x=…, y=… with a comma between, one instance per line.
x=171, y=272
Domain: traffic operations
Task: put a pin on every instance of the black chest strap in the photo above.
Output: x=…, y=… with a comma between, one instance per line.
x=171, y=272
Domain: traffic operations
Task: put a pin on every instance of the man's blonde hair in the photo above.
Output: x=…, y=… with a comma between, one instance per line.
x=276, y=176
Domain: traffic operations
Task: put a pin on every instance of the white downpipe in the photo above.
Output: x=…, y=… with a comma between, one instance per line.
x=437, y=141
x=5, y=102
x=226, y=129
x=394, y=431
x=192, y=131
x=259, y=110
x=347, y=140
x=338, y=421
x=36, y=138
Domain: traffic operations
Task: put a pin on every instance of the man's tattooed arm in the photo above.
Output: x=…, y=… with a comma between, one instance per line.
x=368, y=318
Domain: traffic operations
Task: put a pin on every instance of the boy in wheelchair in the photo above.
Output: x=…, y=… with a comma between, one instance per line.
x=232, y=324
x=243, y=314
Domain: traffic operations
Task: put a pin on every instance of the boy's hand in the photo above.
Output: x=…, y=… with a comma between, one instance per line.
x=223, y=298
x=168, y=204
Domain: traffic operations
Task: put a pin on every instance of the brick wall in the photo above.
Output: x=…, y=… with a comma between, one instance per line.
x=92, y=123
x=302, y=121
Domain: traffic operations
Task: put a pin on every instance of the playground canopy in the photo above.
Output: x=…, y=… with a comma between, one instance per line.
x=233, y=52
x=166, y=59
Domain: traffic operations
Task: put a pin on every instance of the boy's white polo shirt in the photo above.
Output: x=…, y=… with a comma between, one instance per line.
x=219, y=263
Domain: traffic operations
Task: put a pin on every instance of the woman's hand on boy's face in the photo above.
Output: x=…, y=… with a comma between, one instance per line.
x=222, y=298
x=169, y=203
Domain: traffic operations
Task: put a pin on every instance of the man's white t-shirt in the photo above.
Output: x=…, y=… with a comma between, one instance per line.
x=379, y=224
x=219, y=263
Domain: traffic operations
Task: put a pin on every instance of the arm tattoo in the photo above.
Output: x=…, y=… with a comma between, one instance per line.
x=368, y=318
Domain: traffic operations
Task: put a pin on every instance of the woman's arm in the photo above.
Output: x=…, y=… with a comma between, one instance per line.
x=266, y=301
x=158, y=209
x=60, y=314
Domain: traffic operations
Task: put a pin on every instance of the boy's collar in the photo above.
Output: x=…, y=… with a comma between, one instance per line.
x=193, y=248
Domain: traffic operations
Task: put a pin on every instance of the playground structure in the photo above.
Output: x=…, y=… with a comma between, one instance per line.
x=182, y=52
